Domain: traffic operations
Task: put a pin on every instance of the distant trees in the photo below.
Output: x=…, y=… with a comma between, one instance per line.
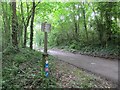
x=16, y=22
x=97, y=23
x=73, y=23
x=105, y=21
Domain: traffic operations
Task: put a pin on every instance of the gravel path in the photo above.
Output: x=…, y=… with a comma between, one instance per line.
x=105, y=68
x=69, y=76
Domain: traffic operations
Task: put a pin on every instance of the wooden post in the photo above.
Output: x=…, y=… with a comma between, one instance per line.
x=45, y=55
x=45, y=28
x=45, y=42
x=44, y=58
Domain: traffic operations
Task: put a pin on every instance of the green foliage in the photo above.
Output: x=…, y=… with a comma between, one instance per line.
x=102, y=21
x=102, y=24
x=24, y=70
x=110, y=51
x=10, y=50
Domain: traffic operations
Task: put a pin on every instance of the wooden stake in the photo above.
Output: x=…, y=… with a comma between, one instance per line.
x=45, y=42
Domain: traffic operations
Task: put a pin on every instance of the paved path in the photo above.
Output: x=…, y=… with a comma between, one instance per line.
x=100, y=66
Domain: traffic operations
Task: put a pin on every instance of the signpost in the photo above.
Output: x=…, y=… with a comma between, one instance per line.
x=45, y=27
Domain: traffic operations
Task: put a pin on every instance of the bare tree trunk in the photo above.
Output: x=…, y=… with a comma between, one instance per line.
x=31, y=26
x=26, y=22
x=22, y=24
x=14, y=25
x=109, y=22
x=85, y=22
x=78, y=13
x=76, y=27
x=25, y=36
x=75, y=21
x=6, y=22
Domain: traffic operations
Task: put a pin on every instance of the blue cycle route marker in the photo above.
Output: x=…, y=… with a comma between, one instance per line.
x=46, y=69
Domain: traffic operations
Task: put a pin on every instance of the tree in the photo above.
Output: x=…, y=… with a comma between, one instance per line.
x=84, y=16
x=31, y=25
x=14, y=25
x=26, y=18
x=6, y=20
x=25, y=21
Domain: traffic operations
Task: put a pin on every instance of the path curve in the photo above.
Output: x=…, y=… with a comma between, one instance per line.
x=100, y=66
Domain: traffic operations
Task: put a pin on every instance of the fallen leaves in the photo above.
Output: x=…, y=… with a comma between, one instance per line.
x=69, y=76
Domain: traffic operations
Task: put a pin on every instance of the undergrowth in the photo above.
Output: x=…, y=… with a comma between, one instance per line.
x=91, y=46
x=23, y=69
x=111, y=51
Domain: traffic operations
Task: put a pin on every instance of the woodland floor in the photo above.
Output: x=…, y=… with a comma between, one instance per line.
x=23, y=70
x=69, y=76
x=105, y=68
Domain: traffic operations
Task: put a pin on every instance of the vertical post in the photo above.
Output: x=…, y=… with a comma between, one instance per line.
x=44, y=59
x=45, y=42
x=45, y=28
x=43, y=64
x=45, y=55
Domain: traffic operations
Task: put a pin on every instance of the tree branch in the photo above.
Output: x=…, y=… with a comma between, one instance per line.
x=30, y=13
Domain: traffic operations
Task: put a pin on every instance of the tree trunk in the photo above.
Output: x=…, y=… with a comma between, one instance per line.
x=76, y=27
x=5, y=28
x=25, y=36
x=26, y=23
x=75, y=21
x=108, y=22
x=78, y=13
x=84, y=16
x=14, y=25
x=6, y=22
x=31, y=26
